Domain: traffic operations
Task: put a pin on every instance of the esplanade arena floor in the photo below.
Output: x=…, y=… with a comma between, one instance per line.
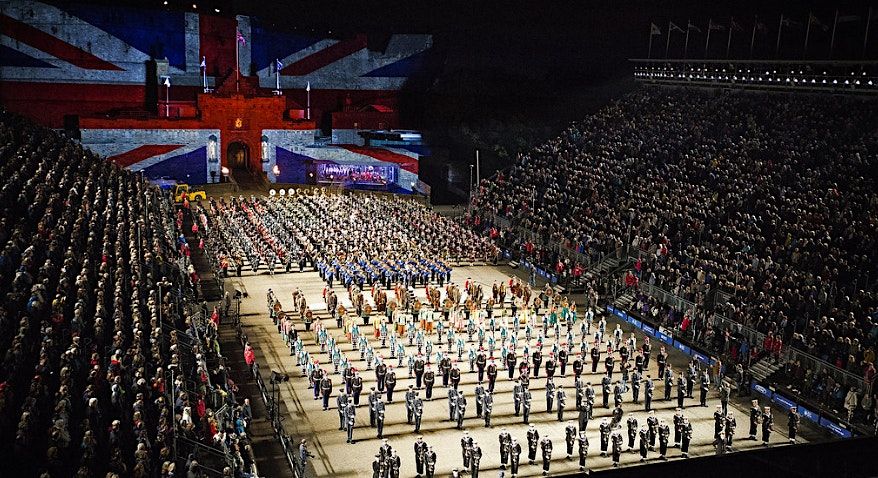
x=335, y=457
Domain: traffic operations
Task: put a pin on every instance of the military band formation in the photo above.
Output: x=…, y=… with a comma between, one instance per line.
x=502, y=335
x=348, y=239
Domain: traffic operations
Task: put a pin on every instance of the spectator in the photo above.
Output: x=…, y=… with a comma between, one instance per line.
x=730, y=193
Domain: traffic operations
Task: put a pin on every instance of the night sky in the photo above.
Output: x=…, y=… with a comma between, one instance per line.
x=504, y=76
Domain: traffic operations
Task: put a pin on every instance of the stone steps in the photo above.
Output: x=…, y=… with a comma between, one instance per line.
x=765, y=368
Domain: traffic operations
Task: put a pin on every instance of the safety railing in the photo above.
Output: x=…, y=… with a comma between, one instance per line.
x=204, y=454
x=666, y=297
x=818, y=365
x=270, y=398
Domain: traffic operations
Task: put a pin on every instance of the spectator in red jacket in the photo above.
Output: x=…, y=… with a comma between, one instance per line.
x=249, y=355
x=768, y=343
x=776, y=347
x=630, y=279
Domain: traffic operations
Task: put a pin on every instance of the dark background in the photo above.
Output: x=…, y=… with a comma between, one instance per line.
x=504, y=76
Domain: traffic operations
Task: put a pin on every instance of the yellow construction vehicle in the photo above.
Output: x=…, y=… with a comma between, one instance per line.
x=182, y=192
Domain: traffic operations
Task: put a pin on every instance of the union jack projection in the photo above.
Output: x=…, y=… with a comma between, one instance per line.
x=75, y=46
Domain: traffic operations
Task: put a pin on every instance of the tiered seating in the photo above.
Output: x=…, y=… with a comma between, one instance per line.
x=92, y=322
x=771, y=197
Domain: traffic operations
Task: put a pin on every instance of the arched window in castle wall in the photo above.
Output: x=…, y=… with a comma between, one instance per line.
x=212, y=151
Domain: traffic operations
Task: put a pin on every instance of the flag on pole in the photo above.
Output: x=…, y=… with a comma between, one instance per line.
x=715, y=26
x=240, y=38
x=278, y=65
x=788, y=22
x=167, y=81
x=308, y=86
x=816, y=21
x=672, y=26
x=653, y=31
x=204, y=62
x=693, y=27
x=735, y=26
x=761, y=26
x=848, y=18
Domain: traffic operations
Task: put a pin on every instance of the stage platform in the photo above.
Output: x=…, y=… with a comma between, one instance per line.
x=334, y=457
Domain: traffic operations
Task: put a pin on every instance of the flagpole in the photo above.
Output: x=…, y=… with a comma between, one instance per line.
x=779, y=30
x=753, y=36
x=832, y=42
x=237, y=65
x=478, y=170
x=668, y=42
x=807, y=34
x=686, y=44
x=866, y=36
x=308, y=107
x=204, y=73
x=729, y=43
x=707, y=43
x=649, y=52
x=167, y=98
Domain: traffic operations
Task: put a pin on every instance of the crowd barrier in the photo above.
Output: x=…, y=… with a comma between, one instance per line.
x=271, y=400
x=768, y=391
x=788, y=353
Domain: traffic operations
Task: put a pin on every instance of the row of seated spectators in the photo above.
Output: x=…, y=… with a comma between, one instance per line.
x=91, y=322
x=768, y=197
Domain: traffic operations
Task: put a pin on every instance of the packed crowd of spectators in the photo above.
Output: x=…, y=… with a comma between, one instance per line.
x=94, y=320
x=770, y=198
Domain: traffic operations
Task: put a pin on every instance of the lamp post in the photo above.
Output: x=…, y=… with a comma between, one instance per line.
x=628, y=242
x=139, y=242
x=171, y=368
x=167, y=84
x=470, y=199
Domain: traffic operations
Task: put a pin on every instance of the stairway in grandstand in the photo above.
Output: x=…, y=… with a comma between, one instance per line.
x=594, y=273
x=601, y=268
x=211, y=289
x=765, y=368
x=626, y=300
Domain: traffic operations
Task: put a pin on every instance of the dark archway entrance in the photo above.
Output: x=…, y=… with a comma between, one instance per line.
x=238, y=161
x=238, y=156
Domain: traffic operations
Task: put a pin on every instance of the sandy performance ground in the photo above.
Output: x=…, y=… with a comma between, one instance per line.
x=334, y=457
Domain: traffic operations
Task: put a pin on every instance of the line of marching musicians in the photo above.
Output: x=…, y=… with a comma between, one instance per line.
x=348, y=397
